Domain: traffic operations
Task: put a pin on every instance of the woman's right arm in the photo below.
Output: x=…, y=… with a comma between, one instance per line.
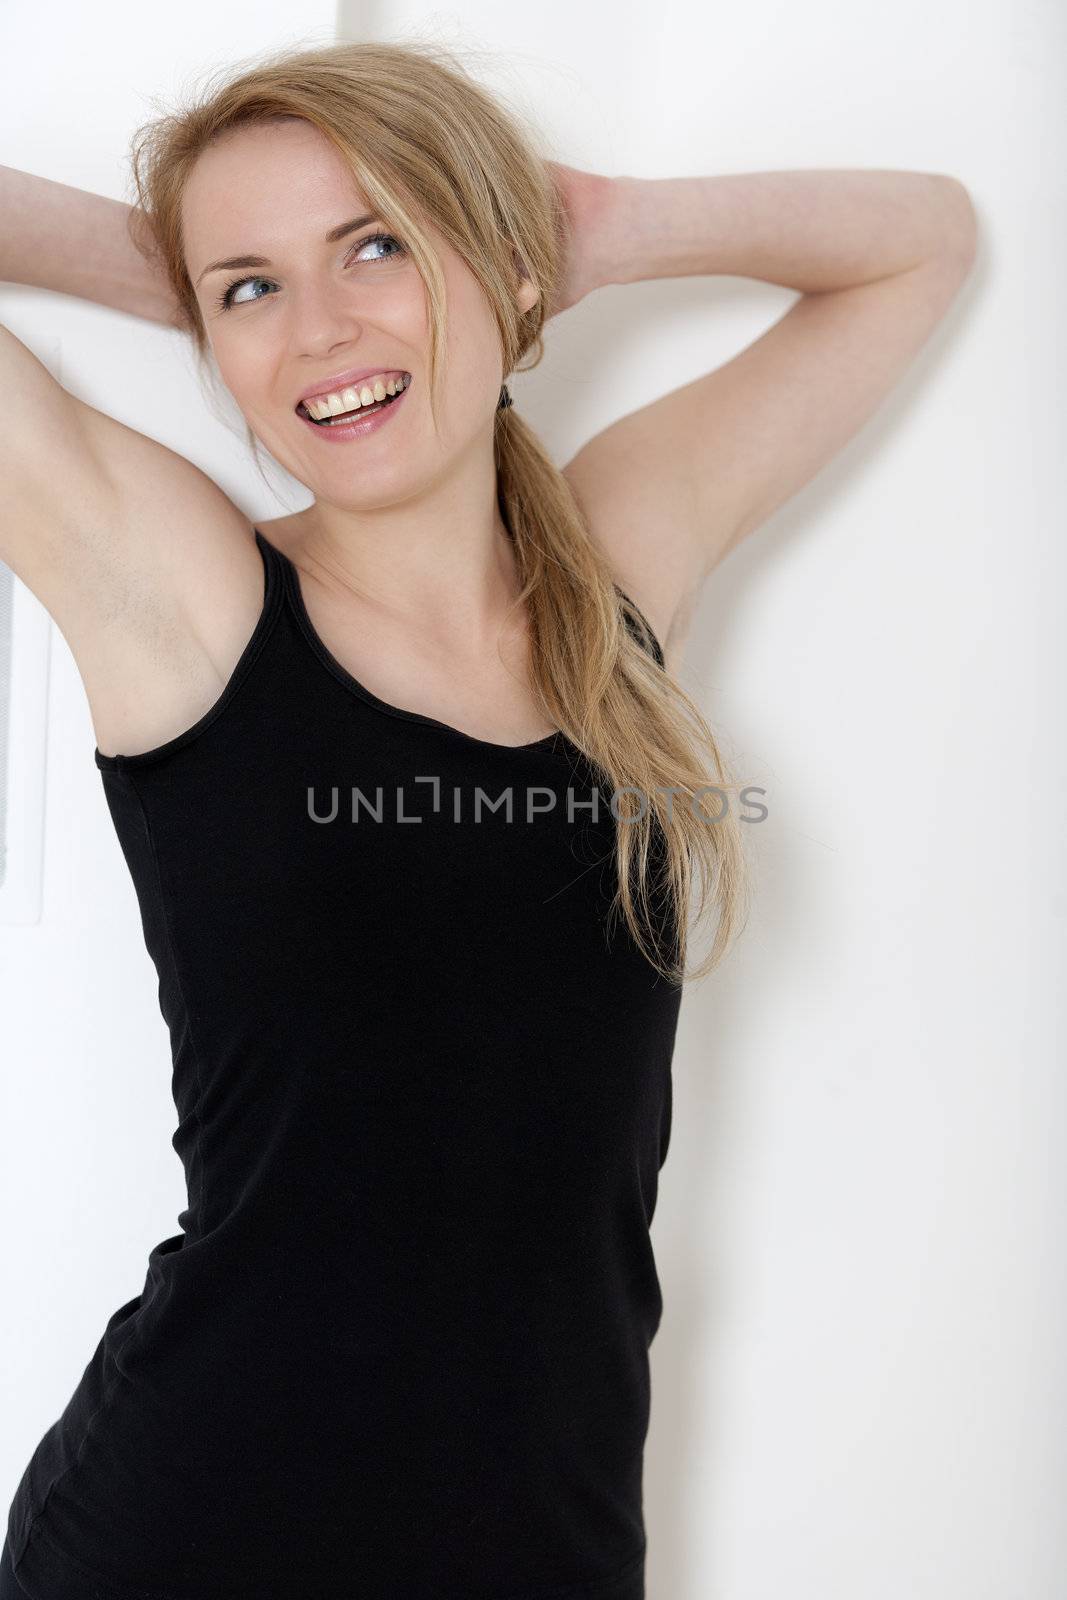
x=116, y=535
x=66, y=467
x=55, y=237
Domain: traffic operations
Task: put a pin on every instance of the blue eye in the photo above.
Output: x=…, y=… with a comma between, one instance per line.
x=228, y=296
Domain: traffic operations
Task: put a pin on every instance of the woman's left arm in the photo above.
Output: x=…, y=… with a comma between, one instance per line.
x=877, y=258
x=811, y=231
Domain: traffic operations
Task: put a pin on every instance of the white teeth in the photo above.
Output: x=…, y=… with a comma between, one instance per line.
x=333, y=405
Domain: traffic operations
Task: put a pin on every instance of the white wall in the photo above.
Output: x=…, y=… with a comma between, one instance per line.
x=856, y=1390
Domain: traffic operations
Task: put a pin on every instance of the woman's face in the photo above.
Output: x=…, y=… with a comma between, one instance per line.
x=313, y=308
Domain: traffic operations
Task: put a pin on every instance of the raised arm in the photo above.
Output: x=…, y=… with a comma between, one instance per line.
x=56, y=237
x=73, y=524
x=116, y=535
x=877, y=257
x=64, y=464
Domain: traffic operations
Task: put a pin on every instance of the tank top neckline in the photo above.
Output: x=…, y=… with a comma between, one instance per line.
x=344, y=677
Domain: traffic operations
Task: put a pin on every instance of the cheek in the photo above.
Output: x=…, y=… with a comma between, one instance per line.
x=474, y=353
x=247, y=379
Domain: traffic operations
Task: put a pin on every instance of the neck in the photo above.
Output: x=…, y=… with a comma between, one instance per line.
x=449, y=576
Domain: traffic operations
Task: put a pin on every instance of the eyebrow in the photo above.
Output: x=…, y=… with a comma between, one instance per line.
x=342, y=230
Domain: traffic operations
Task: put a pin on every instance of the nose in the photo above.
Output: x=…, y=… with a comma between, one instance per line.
x=322, y=319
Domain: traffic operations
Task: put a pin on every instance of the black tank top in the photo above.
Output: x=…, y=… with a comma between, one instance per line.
x=399, y=1349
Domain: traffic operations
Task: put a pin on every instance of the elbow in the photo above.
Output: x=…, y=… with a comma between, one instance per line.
x=960, y=221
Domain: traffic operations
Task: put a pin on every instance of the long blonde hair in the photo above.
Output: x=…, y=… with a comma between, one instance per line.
x=424, y=140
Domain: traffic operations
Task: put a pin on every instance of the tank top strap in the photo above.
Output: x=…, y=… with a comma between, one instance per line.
x=274, y=564
x=656, y=651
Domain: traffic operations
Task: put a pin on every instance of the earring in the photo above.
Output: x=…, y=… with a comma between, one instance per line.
x=505, y=399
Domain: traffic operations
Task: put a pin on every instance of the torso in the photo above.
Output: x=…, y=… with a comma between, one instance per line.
x=420, y=1122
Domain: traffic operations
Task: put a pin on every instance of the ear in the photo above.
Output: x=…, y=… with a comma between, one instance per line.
x=528, y=293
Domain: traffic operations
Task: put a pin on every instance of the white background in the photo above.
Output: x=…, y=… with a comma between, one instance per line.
x=858, y=1384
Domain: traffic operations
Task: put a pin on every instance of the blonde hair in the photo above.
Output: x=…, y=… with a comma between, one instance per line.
x=424, y=140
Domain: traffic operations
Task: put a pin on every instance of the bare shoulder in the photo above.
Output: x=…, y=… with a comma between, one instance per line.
x=147, y=567
x=165, y=585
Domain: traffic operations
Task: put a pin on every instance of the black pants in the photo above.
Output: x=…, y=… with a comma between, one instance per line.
x=10, y=1587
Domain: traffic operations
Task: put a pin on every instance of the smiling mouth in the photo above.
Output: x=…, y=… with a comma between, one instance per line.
x=355, y=411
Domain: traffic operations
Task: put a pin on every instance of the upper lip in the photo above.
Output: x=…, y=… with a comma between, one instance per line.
x=345, y=380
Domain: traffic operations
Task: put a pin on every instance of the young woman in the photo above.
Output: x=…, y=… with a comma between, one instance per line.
x=422, y=988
